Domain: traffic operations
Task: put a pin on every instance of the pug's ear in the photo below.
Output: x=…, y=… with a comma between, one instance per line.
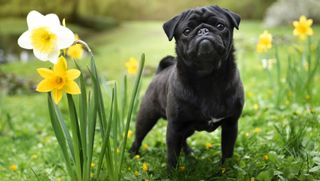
x=170, y=26
x=232, y=17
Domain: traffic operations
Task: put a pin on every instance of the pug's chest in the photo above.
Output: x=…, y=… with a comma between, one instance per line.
x=209, y=114
x=212, y=109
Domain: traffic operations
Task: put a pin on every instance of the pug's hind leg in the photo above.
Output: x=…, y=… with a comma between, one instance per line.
x=146, y=119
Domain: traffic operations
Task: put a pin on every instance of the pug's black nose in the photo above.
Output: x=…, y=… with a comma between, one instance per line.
x=203, y=31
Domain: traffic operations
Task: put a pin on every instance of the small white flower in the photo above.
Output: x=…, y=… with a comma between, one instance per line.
x=45, y=36
x=267, y=63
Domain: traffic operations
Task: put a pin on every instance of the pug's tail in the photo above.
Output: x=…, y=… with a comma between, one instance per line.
x=166, y=62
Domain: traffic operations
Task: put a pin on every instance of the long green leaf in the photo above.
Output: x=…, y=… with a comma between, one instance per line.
x=75, y=136
x=61, y=136
x=131, y=105
x=104, y=143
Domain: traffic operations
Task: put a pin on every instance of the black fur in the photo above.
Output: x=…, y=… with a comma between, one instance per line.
x=202, y=83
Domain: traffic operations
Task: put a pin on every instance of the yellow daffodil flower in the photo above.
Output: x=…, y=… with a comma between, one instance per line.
x=145, y=146
x=256, y=107
x=257, y=130
x=264, y=43
x=75, y=51
x=130, y=133
x=132, y=66
x=59, y=80
x=302, y=28
x=182, y=168
x=13, y=167
x=136, y=157
x=136, y=173
x=145, y=167
x=45, y=36
x=208, y=145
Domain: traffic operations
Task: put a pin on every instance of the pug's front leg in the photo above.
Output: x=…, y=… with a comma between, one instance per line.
x=174, y=144
x=228, y=137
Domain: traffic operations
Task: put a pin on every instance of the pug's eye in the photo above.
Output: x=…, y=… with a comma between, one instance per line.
x=186, y=31
x=220, y=26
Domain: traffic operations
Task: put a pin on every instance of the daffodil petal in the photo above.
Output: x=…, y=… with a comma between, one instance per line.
x=45, y=73
x=310, y=32
x=309, y=22
x=61, y=66
x=303, y=18
x=34, y=19
x=56, y=95
x=24, y=40
x=73, y=74
x=72, y=88
x=53, y=56
x=44, y=86
x=65, y=37
x=52, y=20
x=40, y=55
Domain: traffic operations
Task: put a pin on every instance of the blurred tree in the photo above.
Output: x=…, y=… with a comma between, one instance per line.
x=128, y=9
x=285, y=11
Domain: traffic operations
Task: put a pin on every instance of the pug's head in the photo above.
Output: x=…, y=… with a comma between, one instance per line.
x=203, y=37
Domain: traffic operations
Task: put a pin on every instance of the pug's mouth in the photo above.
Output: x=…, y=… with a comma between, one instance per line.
x=205, y=47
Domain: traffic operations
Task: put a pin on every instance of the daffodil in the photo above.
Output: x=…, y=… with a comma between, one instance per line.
x=208, y=145
x=132, y=66
x=145, y=146
x=267, y=63
x=257, y=130
x=130, y=133
x=302, y=28
x=45, y=36
x=136, y=173
x=145, y=167
x=75, y=51
x=256, y=107
x=13, y=167
x=136, y=157
x=264, y=43
x=59, y=80
x=182, y=168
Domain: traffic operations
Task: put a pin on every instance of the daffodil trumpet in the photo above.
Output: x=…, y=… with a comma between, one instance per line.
x=45, y=36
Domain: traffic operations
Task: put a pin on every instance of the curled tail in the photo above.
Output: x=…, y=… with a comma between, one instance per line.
x=166, y=62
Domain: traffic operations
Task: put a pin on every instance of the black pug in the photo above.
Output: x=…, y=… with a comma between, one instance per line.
x=198, y=90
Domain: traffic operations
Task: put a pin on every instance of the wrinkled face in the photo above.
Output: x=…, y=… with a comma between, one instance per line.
x=203, y=37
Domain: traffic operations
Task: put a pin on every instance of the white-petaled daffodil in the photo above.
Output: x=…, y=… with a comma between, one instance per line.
x=45, y=36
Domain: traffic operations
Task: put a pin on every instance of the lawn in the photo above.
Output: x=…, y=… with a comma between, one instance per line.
x=273, y=142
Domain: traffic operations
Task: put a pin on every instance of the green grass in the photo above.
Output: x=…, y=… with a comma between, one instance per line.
x=288, y=136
